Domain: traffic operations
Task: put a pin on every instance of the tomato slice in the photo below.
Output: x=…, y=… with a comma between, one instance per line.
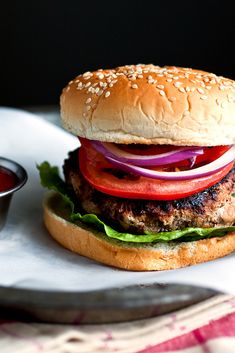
x=103, y=176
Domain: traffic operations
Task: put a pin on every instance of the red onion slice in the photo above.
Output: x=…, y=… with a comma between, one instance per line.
x=199, y=172
x=177, y=155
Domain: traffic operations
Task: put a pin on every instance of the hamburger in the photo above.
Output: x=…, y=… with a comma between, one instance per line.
x=152, y=185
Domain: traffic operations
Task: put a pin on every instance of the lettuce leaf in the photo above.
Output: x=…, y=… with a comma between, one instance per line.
x=50, y=179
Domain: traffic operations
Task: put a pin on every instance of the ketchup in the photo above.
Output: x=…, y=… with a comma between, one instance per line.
x=7, y=179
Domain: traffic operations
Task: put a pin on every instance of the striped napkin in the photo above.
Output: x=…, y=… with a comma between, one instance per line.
x=208, y=327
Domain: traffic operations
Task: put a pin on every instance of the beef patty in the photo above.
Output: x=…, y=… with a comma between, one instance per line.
x=212, y=207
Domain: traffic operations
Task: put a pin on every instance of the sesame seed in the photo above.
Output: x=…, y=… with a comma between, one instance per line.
x=88, y=73
x=169, y=80
x=80, y=84
x=182, y=89
x=177, y=84
x=99, y=92
x=132, y=77
x=162, y=93
x=111, y=85
x=87, y=84
x=88, y=100
x=187, y=89
x=208, y=87
x=140, y=76
x=70, y=82
x=175, y=77
x=203, y=97
x=107, y=94
x=84, y=114
x=134, y=86
x=200, y=90
x=68, y=88
x=88, y=108
x=100, y=76
x=160, y=86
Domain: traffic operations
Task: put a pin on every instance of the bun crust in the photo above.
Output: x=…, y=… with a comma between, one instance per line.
x=159, y=256
x=148, y=104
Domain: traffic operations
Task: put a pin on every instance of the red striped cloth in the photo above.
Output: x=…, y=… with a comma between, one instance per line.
x=207, y=339
x=208, y=327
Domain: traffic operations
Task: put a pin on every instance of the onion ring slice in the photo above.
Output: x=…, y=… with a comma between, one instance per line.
x=199, y=172
x=176, y=155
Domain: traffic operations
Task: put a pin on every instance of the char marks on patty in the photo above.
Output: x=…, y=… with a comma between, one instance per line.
x=212, y=207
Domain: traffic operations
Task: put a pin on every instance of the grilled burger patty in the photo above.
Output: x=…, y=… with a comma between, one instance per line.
x=212, y=207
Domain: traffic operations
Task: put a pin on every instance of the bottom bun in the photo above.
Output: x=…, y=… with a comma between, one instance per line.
x=96, y=245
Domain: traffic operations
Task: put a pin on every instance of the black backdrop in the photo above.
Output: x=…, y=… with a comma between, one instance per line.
x=46, y=43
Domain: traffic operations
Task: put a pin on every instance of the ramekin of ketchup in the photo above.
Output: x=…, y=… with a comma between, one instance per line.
x=12, y=177
x=8, y=179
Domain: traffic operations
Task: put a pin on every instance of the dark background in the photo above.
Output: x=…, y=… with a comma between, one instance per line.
x=44, y=44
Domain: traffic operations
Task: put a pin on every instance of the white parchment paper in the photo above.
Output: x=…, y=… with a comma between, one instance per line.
x=29, y=258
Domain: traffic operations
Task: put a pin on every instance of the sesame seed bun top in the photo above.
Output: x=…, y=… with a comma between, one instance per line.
x=149, y=104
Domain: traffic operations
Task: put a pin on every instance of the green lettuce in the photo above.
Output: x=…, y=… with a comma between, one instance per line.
x=51, y=179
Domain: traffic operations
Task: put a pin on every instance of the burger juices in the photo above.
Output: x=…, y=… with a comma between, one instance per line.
x=153, y=180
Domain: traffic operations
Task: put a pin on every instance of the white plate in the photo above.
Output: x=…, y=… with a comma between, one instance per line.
x=29, y=258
